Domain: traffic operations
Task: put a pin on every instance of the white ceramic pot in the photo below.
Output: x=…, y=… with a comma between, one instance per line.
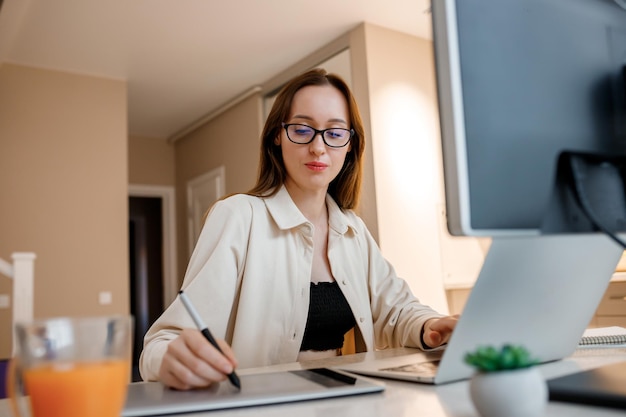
x=515, y=393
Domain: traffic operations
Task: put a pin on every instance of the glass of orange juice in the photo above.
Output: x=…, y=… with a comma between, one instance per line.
x=71, y=367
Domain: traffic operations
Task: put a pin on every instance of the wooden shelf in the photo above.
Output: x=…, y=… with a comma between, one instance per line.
x=611, y=310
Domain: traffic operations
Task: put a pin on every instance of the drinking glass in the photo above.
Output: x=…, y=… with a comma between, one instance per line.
x=71, y=367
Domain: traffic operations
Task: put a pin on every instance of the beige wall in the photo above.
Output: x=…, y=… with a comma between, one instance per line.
x=150, y=161
x=231, y=139
x=368, y=209
x=63, y=187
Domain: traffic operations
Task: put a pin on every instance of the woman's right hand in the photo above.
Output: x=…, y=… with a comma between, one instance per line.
x=192, y=362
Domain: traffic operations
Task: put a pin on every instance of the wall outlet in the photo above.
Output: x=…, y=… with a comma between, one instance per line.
x=105, y=297
x=5, y=301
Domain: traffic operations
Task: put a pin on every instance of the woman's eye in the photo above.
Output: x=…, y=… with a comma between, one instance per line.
x=334, y=134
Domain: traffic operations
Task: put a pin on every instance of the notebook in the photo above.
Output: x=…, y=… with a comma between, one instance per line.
x=608, y=336
x=153, y=398
x=536, y=291
x=604, y=386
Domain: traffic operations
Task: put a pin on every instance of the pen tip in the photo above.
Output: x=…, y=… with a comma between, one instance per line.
x=234, y=379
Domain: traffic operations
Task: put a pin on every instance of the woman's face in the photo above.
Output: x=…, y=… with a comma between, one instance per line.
x=311, y=167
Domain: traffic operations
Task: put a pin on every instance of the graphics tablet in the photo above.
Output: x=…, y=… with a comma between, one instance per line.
x=153, y=398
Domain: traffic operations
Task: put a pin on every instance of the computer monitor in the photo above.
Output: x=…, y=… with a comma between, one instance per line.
x=532, y=103
x=521, y=83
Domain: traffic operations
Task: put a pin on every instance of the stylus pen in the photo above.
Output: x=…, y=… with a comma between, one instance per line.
x=234, y=379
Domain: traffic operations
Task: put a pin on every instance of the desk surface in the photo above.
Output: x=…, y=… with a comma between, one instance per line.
x=412, y=399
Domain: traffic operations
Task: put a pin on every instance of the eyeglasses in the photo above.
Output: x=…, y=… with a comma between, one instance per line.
x=335, y=137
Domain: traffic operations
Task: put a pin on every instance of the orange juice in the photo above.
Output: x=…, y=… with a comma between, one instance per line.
x=87, y=389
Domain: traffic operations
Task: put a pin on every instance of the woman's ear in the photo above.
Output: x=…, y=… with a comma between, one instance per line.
x=277, y=140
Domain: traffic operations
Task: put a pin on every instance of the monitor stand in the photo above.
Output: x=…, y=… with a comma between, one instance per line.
x=539, y=291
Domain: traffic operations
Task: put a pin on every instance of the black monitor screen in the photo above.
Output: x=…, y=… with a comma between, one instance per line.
x=520, y=82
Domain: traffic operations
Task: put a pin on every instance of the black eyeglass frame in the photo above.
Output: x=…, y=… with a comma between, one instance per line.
x=317, y=132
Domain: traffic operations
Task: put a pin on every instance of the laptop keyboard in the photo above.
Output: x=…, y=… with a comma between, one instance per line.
x=422, y=368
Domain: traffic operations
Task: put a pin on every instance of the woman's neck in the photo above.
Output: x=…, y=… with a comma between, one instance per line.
x=312, y=204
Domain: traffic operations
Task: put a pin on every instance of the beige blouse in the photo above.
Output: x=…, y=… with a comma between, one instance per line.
x=249, y=278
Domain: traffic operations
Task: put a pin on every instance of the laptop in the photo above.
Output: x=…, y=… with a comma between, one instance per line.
x=153, y=398
x=604, y=386
x=537, y=291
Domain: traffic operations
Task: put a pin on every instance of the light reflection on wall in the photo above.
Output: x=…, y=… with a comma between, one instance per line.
x=410, y=196
x=409, y=185
x=411, y=144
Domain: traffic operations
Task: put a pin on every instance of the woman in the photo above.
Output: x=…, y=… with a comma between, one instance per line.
x=281, y=273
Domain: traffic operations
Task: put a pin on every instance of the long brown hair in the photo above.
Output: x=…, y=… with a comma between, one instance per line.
x=345, y=189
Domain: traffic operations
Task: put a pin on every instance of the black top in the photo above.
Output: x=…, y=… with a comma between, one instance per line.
x=329, y=318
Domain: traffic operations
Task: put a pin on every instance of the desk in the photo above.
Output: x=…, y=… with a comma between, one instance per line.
x=412, y=399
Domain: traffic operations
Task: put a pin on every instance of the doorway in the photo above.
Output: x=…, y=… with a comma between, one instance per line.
x=152, y=219
x=145, y=234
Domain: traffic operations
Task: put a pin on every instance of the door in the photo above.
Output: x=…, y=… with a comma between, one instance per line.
x=202, y=193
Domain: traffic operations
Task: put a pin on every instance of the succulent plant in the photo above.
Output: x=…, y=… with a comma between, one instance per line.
x=490, y=359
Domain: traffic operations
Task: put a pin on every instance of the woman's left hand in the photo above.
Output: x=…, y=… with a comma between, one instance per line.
x=438, y=331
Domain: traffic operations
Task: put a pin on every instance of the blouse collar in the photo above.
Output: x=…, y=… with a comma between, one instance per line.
x=287, y=215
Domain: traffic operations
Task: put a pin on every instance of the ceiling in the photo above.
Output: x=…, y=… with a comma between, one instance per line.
x=183, y=59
